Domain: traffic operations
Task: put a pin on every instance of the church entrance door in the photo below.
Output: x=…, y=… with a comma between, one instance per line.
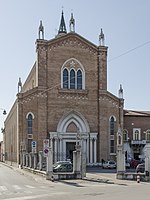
x=70, y=147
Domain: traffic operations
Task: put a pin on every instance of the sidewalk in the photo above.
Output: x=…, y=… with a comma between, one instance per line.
x=108, y=178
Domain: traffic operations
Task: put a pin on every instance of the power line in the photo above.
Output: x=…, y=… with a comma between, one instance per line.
x=50, y=88
x=129, y=51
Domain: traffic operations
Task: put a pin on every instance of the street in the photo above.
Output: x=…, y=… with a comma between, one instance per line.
x=19, y=185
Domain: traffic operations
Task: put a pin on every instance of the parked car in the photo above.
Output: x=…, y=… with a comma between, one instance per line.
x=63, y=167
x=62, y=162
x=110, y=164
x=140, y=168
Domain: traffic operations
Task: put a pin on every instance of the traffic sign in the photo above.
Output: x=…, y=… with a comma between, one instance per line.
x=34, y=145
x=45, y=147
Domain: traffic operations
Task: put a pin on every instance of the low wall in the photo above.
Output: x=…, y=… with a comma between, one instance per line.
x=133, y=176
x=56, y=176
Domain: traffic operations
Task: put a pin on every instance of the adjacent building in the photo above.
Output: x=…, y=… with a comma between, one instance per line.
x=136, y=133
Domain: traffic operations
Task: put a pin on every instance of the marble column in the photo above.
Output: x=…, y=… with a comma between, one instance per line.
x=87, y=150
x=60, y=149
x=55, y=149
x=91, y=150
x=95, y=150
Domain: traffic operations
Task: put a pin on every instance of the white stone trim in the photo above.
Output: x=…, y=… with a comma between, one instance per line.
x=29, y=114
x=80, y=67
x=75, y=117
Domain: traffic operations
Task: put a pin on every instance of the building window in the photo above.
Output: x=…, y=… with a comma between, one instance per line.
x=125, y=135
x=147, y=135
x=65, y=78
x=136, y=134
x=29, y=122
x=72, y=79
x=112, y=125
x=79, y=79
x=72, y=75
x=29, y=118
x=112, y=146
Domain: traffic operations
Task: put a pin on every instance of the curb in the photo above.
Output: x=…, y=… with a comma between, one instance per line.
x=99, y=180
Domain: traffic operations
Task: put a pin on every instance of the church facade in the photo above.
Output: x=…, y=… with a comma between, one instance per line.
x=65, y=99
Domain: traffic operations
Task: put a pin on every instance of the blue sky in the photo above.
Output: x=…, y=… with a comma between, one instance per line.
x=126, y=27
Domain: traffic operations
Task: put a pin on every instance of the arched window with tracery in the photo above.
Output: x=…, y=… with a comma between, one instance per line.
x=72, y=75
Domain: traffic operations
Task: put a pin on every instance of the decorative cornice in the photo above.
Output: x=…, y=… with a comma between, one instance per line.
x=73, y=42
x=72, y=94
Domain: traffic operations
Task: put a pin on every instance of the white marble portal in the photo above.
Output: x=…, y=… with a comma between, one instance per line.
x=88, y=142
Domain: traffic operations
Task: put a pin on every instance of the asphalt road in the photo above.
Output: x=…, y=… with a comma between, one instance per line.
x=19, y=185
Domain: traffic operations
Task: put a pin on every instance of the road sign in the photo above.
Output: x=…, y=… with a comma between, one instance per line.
x=45, y=147
x=34, y=145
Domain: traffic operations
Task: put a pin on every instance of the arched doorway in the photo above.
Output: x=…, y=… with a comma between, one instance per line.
x=73, y=128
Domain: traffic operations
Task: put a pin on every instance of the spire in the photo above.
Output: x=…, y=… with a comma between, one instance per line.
x=72, y=23
x=101, y=38
x=41, y=30
x=62, y=27
x=120, y=92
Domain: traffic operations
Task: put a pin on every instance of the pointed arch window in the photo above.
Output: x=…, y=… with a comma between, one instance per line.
x=112, y=123
x=65, y=78
x=29, y=122
x=72, y=79
x=112, y=126
x=72, y=75
x=29, y=119
x=79, y=79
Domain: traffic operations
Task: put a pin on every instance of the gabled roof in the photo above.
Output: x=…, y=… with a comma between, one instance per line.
x=137, y=113
x=63, y=35
x=70, y=35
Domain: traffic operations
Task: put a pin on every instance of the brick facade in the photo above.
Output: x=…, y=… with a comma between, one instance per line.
x=58, y=111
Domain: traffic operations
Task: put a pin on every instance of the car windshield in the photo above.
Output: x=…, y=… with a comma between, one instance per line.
x=111, y=162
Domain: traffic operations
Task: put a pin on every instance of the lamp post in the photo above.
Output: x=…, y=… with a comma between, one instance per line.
x=4, y=111
x=2, y=131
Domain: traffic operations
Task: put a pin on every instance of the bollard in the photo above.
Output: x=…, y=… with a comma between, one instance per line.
x=138, y=178
x=52, y=178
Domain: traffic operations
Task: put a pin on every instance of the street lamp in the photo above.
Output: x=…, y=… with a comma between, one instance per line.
x=4, y=111
x=2, y=131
